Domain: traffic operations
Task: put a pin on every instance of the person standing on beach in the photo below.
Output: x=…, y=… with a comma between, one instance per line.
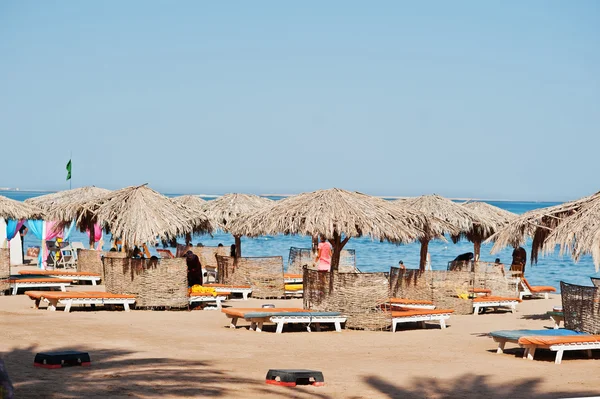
x=518, y=263
x=22, y=232
x=323, y=258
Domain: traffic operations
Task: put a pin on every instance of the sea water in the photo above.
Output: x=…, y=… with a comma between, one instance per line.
x=375, y=256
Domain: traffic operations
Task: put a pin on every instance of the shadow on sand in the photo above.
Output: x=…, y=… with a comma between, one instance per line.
x=467, y=386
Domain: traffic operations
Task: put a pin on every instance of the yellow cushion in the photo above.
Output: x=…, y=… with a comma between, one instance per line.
x=294, y=287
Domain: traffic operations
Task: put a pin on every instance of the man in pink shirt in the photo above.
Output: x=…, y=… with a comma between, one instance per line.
x=324, y=252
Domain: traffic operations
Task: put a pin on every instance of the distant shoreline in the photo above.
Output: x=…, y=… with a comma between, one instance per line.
x=393, y=197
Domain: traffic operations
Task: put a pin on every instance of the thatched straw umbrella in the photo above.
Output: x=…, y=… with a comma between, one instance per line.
x=195, y=204
x=68, y=205
x=140, y=215
x=574, y=225
x=338, y=215
x=492, y=219
x=442, y=215
x=225, y=210
x=17, y=210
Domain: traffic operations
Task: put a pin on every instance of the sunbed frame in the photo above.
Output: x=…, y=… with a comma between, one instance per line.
x=95, y=298
x=560, y=349
x=16, y=284
x=195, y=298
x=441, y=317
x=245, y=291
x=66, y=275
x=494, y=302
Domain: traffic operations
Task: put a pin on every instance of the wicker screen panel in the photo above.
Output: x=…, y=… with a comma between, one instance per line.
x=493, y=276
x=4, y=269
x=90, y=261
x=410, y=284
x=359, y=296
x=156, y=283
x=263, y=274
x=299, y=257
x=580, y=307
x=446, y=288
x=207, y=255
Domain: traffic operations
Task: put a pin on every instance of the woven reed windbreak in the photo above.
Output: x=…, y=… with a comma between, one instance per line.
x=581, y=308
x=263, y=274
x=207, y=255
x=4, y=268
x=299, y=257
x=161, y=283
x=90, y=261
x=358, y=296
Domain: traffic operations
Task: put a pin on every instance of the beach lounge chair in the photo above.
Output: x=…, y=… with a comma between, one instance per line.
x=67, y=258
x=165, y=253
x=206, y=297
x=245, y=290
x=559, y=344
x=411, y=303
x=282, y=316
x=480, y=291
x=16, y=283
x=64, y=274
x=525, y=289
x=556, y=315
x=513, y=336
x=407, y=315
x=294, y=290
x=290, y=278
x=68, y=299
x=490, y=301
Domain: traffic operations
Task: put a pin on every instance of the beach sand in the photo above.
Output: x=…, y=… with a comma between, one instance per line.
x=193, y=354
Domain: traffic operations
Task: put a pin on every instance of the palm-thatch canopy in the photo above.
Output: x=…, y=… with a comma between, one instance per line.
x=68, y=205
x=491, y=220
x=224, y=210
x=64, y=206
x=334, y=213
x=17, y=210
x=139, y=215
x=193, y=202
x=442, y=215
x=574, y=225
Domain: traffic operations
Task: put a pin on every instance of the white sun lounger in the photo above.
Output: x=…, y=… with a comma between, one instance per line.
x=411, y=303
x=494, y=302
x=66, y=275
x=208, y=298
x=244, y=290
x=421, y=316
x=258, y=316
x=68, y=299
x=559, y=345
x=16, y=284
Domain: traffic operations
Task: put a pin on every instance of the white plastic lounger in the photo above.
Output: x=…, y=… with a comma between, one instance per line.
x=66, y=275
x=421, y=316
x=196, y=297
x=244, y=290
x=513, y=336
x=258, y=316
x=526, y=289
x=494, y=302
x=69, y=299
x=17, y=283
x=411, y=303
x=559, y=345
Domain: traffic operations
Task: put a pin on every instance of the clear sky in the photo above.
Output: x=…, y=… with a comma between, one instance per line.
x=487, y=99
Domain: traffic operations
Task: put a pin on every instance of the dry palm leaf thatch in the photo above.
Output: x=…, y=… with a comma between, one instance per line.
x=17, y=210
x=577, y=236
x=139, y=215
x=491, y=220
x=64, y=206
x=228, y=208
x=193, y=202
x=68, y=205
x=440, y=213
x=334, y=213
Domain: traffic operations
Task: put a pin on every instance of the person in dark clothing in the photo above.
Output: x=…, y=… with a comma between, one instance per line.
x=467, y=256
x=519, y=260
x=194, y=269
x=22, y=232
x=232, y=251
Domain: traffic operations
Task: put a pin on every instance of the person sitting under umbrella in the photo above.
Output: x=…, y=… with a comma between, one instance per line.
x=194, y=267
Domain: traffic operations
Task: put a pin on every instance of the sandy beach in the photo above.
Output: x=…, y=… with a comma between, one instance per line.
x=193, y=354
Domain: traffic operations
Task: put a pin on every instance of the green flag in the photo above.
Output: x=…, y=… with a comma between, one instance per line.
x=69, y=170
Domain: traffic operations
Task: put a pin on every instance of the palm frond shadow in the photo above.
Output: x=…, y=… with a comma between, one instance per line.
x=123, y=374
x=467, y=386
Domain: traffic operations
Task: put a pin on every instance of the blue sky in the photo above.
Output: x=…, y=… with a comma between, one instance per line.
x=464, y=99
